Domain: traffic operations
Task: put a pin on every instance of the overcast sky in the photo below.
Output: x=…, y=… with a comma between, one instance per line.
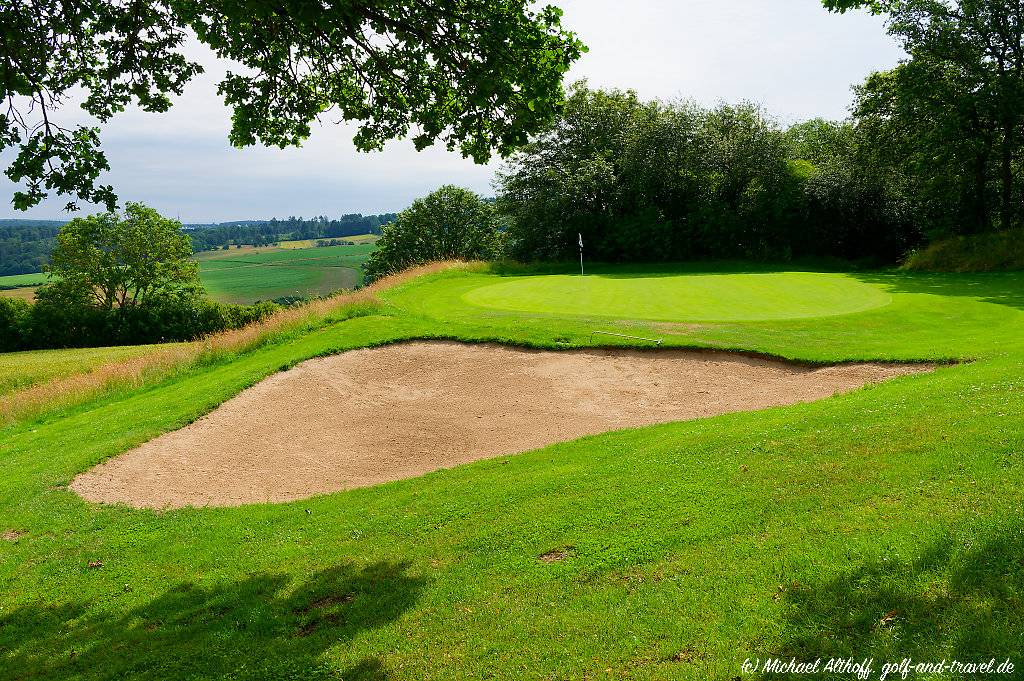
x=790, y=55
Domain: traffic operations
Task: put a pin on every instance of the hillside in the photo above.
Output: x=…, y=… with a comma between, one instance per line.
x=25, y=245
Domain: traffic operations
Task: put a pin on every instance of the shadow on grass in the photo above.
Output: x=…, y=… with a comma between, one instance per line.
x=1000, y=288
x=962, y=600
x=660, y=269
x=262, y=627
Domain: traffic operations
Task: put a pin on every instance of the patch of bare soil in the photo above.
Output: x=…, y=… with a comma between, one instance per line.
x=374, y=415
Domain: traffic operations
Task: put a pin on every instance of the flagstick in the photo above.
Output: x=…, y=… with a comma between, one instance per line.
x=581, y=254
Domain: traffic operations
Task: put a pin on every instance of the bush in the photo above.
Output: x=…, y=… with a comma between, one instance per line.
x=55, y=322
x=988, y=252
x=449, y=224
x=121, y=280
x=13, y=314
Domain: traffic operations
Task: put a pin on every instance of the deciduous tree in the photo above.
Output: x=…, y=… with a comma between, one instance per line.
x=477, y=75
x=110, y=261
x=448, y=224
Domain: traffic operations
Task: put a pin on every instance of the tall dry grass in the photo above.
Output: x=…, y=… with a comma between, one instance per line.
x=162, y=362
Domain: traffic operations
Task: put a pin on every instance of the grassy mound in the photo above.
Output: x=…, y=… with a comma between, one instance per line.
x=993, y=252
x=695, y=297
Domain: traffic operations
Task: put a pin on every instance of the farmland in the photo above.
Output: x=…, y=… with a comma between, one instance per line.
x=247, y=274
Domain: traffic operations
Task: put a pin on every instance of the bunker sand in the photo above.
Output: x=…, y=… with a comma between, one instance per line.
x=375, y=415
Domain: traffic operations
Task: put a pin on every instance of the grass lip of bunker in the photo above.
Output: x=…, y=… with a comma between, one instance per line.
x=380, y=414
x=685, y=297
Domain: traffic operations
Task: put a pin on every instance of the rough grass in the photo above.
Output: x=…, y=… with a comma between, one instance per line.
x=76, y=375
x=992, y=252
x=22, y=369
x=884, y=523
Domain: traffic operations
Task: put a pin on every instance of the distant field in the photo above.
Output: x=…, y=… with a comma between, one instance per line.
x=248, y=275
x=21, y=285
x=18, y=280
x=311, y=243
x=24, y=292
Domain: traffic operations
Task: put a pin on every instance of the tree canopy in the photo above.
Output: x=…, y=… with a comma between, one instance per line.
x=450, y=223
x=476, y=75
x=108, y=261
x=950, y=116
x=656, y=181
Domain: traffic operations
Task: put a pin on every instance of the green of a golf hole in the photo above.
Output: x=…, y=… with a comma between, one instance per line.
x=696, y=297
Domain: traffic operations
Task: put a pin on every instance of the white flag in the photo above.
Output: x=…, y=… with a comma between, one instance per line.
x=581, y=239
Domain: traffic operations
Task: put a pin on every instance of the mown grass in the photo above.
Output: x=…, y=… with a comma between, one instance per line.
x=885, y=523
x=691, y=297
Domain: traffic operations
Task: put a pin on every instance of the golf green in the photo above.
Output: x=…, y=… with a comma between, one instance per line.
x=695, y=297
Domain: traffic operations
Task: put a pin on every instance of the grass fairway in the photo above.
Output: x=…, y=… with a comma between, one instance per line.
x=246, y=276
x=708, y=297
x=884, y=523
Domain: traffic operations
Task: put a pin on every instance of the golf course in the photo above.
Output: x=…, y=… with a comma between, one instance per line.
x=863, y=524
x=561, y=340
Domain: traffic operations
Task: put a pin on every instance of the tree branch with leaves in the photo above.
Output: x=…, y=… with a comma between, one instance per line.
x=479, y=76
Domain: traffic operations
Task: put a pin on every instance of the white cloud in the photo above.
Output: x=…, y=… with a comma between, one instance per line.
x=790, y=55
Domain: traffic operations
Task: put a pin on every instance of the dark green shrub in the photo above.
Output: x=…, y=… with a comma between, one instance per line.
x=449, y=224
x=14, y=313
x=989, y=252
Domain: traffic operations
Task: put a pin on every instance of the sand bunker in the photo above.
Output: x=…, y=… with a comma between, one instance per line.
x=374, y=415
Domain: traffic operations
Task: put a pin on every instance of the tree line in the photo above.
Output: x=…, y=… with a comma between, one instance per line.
x=672, y=181
x=267, y=232
x=656, y=181
x=25, y=245
x=933, y=149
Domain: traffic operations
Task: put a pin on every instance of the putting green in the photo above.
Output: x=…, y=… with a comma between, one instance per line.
x=697, y=297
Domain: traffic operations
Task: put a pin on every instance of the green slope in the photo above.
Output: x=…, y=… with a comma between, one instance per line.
x=884, y=523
